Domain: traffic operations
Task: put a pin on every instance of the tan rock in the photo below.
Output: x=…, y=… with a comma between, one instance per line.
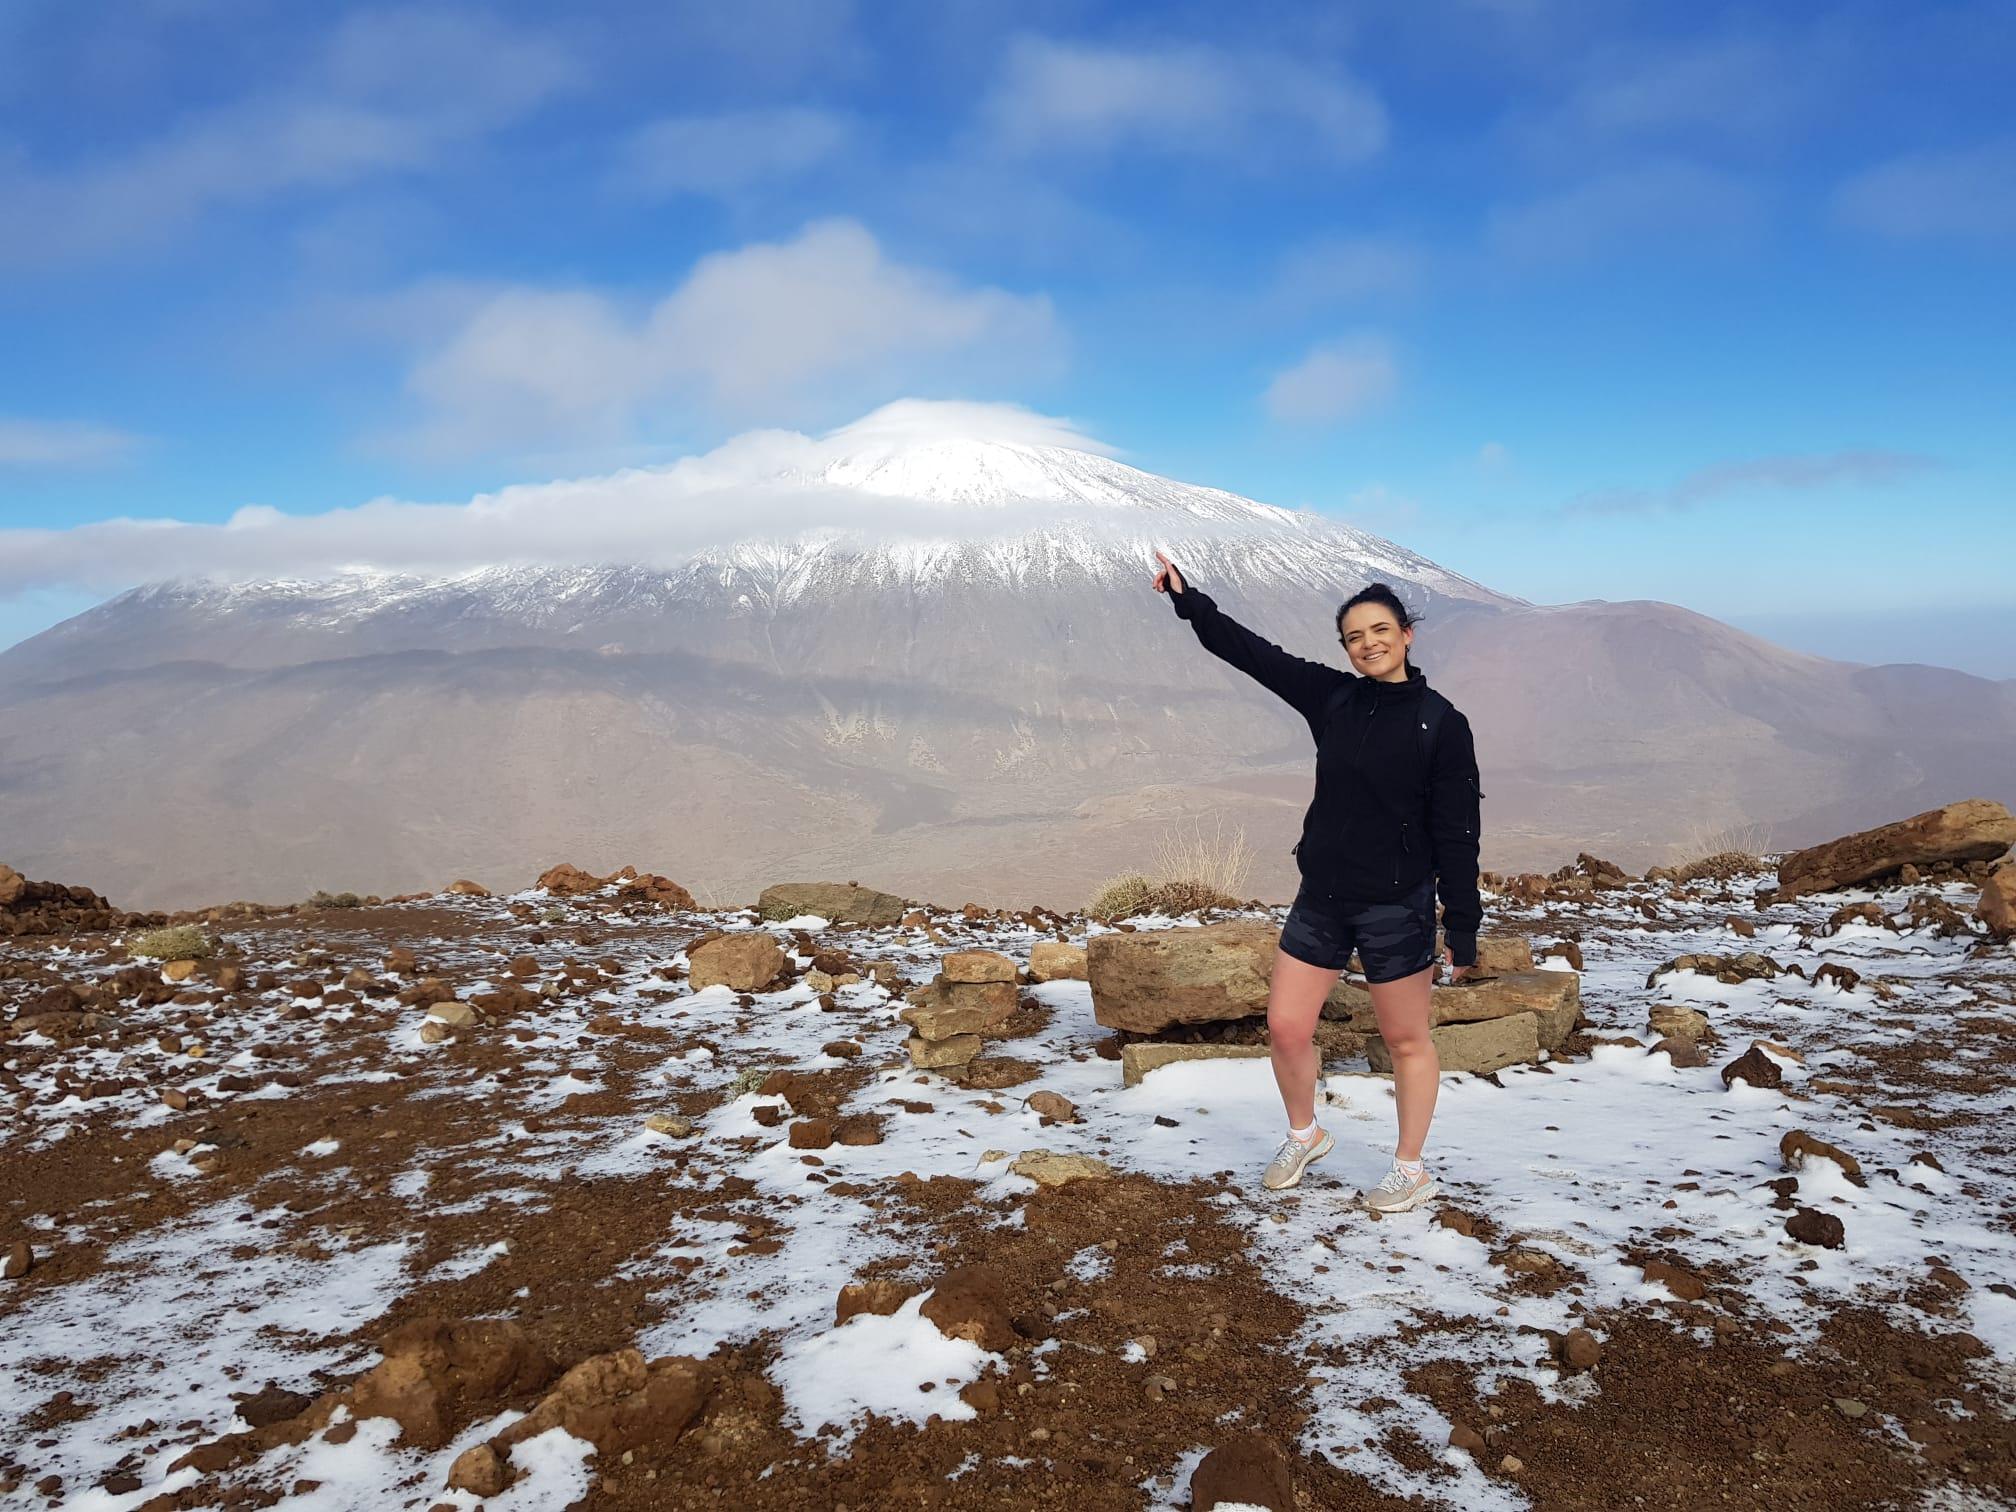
x=569, y=881
x=840, y=902
x=479, y=1471
x=1676, y=1021
x=178, y=971
x=1143, y=1056
x=747, y=960
x=1051, y=1170
x=978, y=966
x=1797, y=1147
x=944, y=1002
x=1146, y=980
x=1997, y=908
x=1056, y=961
x=432, y=1366
x=1053, y=1105
x=455, y=1015
x=464, y=888
x=669, y=1123
x=877, y=1298
x=1497, y=954
x=1481, y=1047
x=933, y=1055
x=1977, y=829
x=434, y=1032
x=617, y=1402
x=1554, y=996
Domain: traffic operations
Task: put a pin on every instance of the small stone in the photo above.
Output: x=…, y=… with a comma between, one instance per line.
x=1754, y=1067
x=434, y=1032
x=1463, y=1436
x=1811, y=1226
x=1579, y=1350
x=20, y=1260
x=811, y=1134
x=669, y=1123
x=1051, y=1170
x=178, y=971
x=1683, y=1284
x=479, y=1471
x=1053, y=1106
x=1848, y=1407
x=1511, y=1464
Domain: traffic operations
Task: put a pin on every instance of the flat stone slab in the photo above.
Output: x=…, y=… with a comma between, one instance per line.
x=1479, y=1048
x=1138, y=1059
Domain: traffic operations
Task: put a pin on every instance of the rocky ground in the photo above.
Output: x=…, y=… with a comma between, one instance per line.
x=270, y=1240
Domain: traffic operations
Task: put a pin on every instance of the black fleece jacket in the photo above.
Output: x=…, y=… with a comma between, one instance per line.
x=1380, y=824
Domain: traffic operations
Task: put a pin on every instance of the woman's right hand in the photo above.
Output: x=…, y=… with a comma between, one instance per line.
x=1167, y=578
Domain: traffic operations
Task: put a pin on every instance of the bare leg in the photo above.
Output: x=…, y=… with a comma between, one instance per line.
x=1402, y=1010
x=1295, y=995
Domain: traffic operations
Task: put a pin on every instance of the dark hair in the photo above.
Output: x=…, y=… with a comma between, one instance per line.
x=1385, y=597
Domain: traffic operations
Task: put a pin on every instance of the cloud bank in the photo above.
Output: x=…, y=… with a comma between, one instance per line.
x=762, y=484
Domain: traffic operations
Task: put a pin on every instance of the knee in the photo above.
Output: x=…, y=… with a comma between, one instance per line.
x=1414, y=1045
x=1286, y=1031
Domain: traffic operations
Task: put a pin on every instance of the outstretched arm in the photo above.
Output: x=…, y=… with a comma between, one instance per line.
x=1305, y=684
x=1455, y=819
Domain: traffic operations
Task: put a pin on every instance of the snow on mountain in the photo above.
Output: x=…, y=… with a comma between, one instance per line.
x=889, y=503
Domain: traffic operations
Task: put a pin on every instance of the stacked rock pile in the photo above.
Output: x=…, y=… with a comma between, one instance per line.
x=973, y=992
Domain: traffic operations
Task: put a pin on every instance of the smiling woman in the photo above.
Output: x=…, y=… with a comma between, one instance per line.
x=1395, y=817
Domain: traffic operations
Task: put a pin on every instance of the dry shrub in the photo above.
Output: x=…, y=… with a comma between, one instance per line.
x=178, y=942
x=335, y=900
x=1731, y=851
x=1192, y=871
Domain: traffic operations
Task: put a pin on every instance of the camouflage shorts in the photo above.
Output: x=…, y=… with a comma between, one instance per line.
x=1393, y=940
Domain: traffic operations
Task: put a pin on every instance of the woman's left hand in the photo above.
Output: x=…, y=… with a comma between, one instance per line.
x=1456, y=973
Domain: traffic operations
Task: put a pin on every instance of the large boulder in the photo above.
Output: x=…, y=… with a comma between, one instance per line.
x=1479, y=1048
x=837, y=902
x=1146, y=980
x=748, y=961
x=1977, y=829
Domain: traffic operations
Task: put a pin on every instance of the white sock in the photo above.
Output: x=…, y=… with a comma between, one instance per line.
x=1408, y=1168
x=1305, y=1135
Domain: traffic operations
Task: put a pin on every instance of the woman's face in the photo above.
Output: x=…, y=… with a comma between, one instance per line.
x=1377, y=644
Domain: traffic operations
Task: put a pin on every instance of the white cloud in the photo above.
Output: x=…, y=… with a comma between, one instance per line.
x=765, y=484
x=1245, y=106
x=393, y=91
x=1336, y=382
x=1661, y=198
x=720, y=154
x=1966, y=193
x=754, y=331
x=1749, y=475
x=61, y=443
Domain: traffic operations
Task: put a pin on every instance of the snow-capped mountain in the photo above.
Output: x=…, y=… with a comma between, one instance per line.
x=907, y=645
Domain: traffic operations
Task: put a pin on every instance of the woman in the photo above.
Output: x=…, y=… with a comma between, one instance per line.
x=1396, y=810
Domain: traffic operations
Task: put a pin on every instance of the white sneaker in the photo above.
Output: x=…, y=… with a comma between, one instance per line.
x=1397, y=1191
x=1286, y=1168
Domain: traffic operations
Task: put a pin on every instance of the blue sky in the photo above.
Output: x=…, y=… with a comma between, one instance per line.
x=1700, y=303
